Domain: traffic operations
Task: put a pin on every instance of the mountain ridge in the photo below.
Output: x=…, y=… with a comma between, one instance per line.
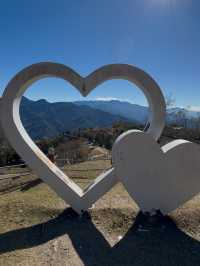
x=44, y=119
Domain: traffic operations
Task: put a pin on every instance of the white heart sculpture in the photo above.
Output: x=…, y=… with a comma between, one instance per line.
x=157, y=178
x=10, y=119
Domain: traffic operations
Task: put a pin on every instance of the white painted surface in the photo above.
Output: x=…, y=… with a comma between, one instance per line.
x=157, y=178
x=10, y=119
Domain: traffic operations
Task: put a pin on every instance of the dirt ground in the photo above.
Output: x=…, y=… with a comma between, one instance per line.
x=38, y=228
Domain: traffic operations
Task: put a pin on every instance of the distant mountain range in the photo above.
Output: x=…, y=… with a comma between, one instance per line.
x=133, y=112
x=138, y=113
x=43, y=119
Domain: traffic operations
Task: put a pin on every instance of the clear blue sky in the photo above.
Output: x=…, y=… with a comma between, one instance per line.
x=159, y=36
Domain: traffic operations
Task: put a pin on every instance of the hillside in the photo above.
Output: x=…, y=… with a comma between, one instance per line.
x=37, y=228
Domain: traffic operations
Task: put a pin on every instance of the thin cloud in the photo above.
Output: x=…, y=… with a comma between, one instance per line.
x=111, y=99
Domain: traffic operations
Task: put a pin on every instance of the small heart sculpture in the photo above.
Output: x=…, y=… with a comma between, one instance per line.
x=11, y=123
x=157, y=178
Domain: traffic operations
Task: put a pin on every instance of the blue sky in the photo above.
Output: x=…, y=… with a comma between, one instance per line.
x=160, y=36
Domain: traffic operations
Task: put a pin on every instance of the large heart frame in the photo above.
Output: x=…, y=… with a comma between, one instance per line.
x=11, y=123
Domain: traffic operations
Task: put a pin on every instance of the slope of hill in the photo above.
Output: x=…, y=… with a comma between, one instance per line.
x=44, y=119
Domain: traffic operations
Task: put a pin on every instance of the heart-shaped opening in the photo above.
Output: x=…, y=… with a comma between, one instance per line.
x=77, y=133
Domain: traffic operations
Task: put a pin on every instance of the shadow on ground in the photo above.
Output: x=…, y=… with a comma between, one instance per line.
x=164, y=245
x=31, y=184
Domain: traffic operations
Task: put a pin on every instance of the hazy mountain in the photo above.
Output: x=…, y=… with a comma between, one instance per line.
x=128, y=110
x=188, y=113
x=140, y=113
x=44, y=119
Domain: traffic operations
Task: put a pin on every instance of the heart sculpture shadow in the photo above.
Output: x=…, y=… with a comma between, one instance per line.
x=157, y=246
x=11, y=123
